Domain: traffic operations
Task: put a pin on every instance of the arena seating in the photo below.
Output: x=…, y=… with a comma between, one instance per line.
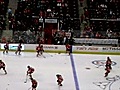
x=47, y=9
x=104, y=15
x=29, y=12
x=3, y=11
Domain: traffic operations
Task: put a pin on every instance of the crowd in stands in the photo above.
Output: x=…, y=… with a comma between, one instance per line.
x=62, y=38
x=3, y=11
x=103, y=17
x=109, y=9
x=29, y=13
x=64, y=10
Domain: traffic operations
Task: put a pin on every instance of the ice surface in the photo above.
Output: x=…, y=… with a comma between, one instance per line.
x=80, y=73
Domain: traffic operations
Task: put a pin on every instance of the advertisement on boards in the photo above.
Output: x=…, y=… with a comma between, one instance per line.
x=12, y=46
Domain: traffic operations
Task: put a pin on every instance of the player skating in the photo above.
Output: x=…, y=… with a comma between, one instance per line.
x=39, y=50
x=30, y=71
x=2, y=66
x=18, y=49
x=6, y=48
x=108, y=66
x=59, y=79
x=34, y=83
x=68, y=48
x=107, y=71
x=108, y=63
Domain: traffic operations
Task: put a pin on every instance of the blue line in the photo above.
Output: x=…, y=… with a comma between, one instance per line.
x=74, y=73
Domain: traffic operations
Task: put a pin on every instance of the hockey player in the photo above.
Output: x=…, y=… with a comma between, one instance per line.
x=34, y=83
x=68, y=48
x=2, y=66
x=6, y=48
x=18, y=49
x=30, y=71
x=107, y=71
x=59, y=79
x=108, y=63
x=39, y=50
x=108, y=66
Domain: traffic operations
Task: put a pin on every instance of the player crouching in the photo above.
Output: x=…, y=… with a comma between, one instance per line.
x=34, y=83
x=59, y=79
x=2, y=66
x=30, y=71
x=39, y=50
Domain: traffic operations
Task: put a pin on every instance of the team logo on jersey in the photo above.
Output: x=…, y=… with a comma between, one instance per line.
x=102, y=62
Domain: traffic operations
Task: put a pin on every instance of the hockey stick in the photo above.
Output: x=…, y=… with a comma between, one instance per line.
x=97, y=66
x=59, y=87
x=26, y=79
x=7, y=86
x=49, y=54
x=43, y=56
x=29, y=88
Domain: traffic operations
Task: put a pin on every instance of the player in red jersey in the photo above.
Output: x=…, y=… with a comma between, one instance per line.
x=68, y=48
x=107, y=71
x=34, y=83
x=30, y=71
x=108, y=66
x=108, y=63
x=6, y=48
x=18, y=49
x=39, y=50
x=59, y=79
x=2, y=66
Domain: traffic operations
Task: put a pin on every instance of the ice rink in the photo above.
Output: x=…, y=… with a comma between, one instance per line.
x=80, y=71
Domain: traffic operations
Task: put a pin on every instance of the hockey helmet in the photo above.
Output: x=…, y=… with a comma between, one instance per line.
x=28, y=66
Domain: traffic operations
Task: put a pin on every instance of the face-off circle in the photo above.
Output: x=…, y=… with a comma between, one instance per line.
x=102, y=62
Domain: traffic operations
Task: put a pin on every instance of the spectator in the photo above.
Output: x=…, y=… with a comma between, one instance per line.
x=109, y=33
x=81, y=3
